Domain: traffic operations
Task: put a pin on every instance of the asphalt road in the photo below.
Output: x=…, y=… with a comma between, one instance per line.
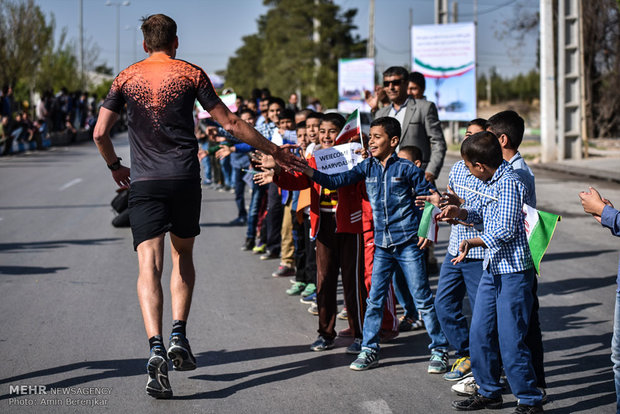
x=71, y=322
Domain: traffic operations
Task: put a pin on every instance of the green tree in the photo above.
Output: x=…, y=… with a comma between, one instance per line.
x=25, y=35
x=58, y=68
x=284, y=57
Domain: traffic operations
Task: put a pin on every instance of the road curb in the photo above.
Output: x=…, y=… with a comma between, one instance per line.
x=579, y=171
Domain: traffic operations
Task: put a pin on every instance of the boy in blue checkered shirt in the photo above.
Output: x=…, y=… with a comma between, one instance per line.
x=457, y=279
x=504, y=298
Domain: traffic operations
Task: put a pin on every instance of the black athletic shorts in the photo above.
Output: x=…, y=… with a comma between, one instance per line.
x=159, y=206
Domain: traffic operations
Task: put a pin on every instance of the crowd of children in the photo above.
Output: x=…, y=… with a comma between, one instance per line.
x=362, y=225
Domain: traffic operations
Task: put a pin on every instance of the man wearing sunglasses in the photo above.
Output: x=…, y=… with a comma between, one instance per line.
x=418, y=119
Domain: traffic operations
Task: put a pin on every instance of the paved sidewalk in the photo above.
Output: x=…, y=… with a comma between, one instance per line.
x=597, y=167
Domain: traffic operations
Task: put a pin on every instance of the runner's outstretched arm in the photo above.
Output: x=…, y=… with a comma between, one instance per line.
x=244, y=132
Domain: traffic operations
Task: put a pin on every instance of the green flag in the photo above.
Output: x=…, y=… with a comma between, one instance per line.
x=539, y=226
x=428, y=223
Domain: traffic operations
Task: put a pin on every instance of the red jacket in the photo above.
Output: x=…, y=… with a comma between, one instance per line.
x=348, y=209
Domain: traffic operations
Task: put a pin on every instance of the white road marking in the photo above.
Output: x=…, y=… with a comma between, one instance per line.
x=70, y=183
x=376, y=407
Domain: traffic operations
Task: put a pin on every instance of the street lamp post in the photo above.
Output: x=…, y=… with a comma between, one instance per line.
x=117, y=66
x=134, y=31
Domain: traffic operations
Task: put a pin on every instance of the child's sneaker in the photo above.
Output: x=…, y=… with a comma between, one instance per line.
x=283, y=271
x=465, y=387
x=368, y=358
x=460, y=369
x=342, y=314
x=296, y=289
x=407, y=324
x=355, y=348
x=346, y=333
x=309, y=290
x=314, y=309
x=439, y=362
x=308, y=300
x=322, y=344
x=259, y=249
x=478, y=402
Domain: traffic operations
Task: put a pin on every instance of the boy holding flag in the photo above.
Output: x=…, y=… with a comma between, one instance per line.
x=389, y=181
x=504, y=299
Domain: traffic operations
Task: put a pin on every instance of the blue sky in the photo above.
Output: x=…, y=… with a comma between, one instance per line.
x=211, y=30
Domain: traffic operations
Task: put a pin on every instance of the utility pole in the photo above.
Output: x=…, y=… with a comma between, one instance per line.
x=370, y=45
x=117, y=64
x=441, y=11
x=441, y=17
x=81, y=46
x=570, y=111
x=316, y=38
x=547, y=83
x=410, y=37
x=455, y=12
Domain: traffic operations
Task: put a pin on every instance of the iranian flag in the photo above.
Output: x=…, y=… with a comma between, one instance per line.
x=351, y=128
x=539, y=226
x=429, y=227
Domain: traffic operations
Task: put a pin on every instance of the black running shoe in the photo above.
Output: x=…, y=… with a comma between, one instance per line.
x=478, y=402
x=180, y=353
x=158, y=385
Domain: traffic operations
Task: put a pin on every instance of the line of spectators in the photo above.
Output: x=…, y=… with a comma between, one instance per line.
x=27, y=127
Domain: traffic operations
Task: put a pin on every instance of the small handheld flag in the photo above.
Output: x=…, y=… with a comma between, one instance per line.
x=429, y=227
x=351, y=128
x=539, y=226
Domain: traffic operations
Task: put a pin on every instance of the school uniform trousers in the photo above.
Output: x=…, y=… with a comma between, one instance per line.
x=339, y=252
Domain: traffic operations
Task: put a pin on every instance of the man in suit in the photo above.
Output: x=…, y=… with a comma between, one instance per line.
x=418, y=119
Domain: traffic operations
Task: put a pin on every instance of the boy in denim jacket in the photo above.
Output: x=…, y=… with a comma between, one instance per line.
x=389, y=181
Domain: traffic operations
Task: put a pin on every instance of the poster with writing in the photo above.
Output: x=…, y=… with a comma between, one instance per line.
x=354, y=77
x=338, y=159
x=446, y=55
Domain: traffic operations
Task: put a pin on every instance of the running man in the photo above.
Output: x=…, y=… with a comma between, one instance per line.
x=165, y=194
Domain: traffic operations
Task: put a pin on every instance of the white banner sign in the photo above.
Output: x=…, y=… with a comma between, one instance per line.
x=354, y=77
x=337, y=159
x=446, y=55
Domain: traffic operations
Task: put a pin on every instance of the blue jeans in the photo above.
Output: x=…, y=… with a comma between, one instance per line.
x=403, y=296
x=237, y=179
x=226, y=171
x=615, y=351
x=454, y=281
x=499, y=324
x=411, y=261
x=206, y=163
x=258, y=192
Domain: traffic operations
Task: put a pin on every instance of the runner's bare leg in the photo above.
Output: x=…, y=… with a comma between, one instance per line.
x=183, y=276
x=150, y=294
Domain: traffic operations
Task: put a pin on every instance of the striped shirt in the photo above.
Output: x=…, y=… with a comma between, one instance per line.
x=461, y=177
x=501, y=211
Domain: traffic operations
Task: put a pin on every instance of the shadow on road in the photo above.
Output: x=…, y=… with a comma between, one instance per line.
x=566, y=318
x=29, y=270
x=574, y=255
x=402, y=350
x=103, y=370
x=63, y=207
x=17, y=247
x=575, y=284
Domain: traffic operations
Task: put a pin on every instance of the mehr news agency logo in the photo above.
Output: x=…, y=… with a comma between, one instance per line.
x=42, y=395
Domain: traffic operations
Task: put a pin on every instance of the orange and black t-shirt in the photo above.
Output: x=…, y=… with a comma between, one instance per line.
x=160, y=93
